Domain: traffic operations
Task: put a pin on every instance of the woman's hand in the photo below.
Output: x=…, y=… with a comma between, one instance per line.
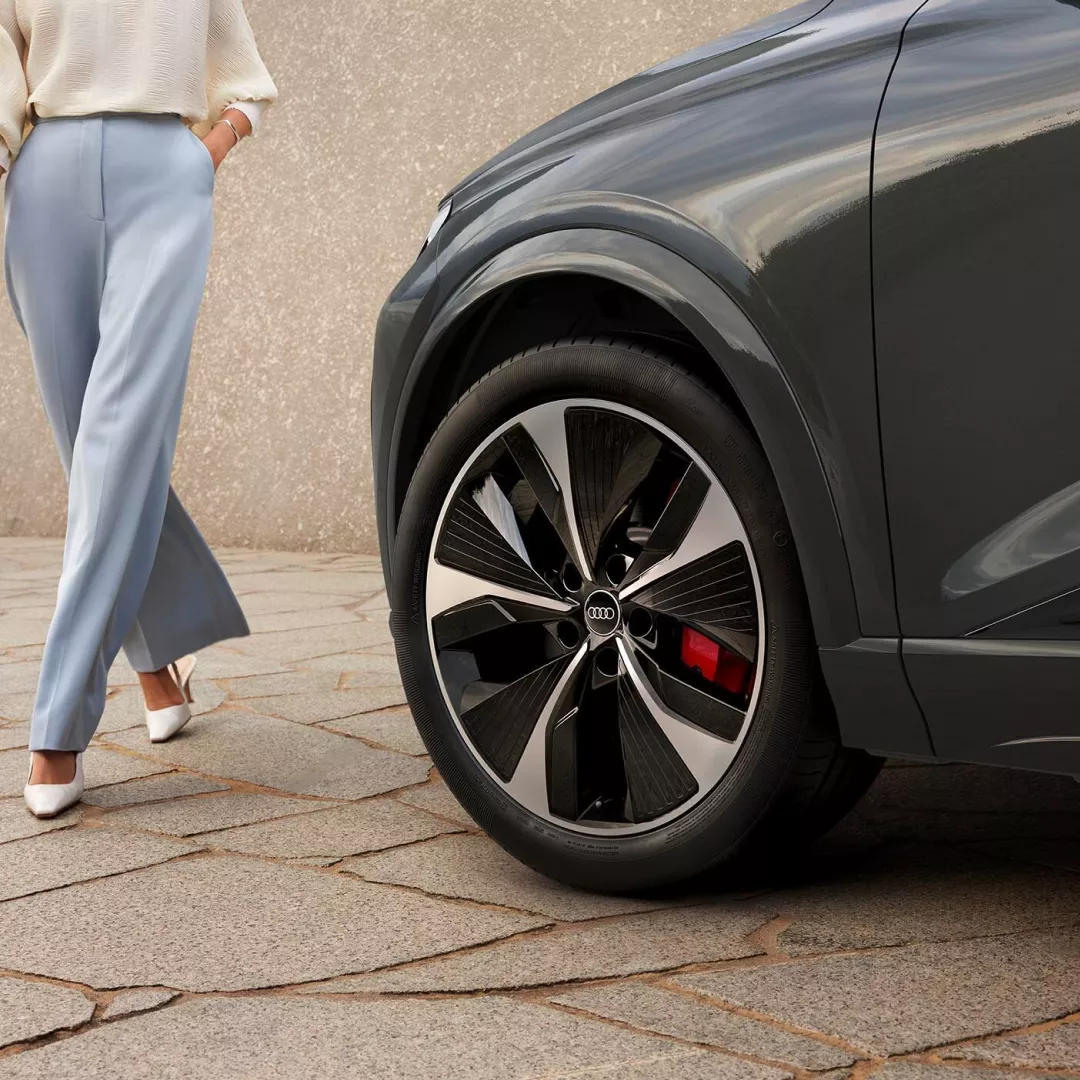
x=219, y=140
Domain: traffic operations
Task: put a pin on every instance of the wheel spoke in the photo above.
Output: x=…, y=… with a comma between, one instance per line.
x=495, y=506
x=480, y=537
x=563, y=765
x=675, y=522
x=715, y=593
x=500, y=726
x=610, y=455
x=657, y=778
x=702, y=754
x=716, y=525
x=706, y=581
x=541, y=479
x=448, y=588
x=546, y=426
x=528, y=783
x=476, y=617
x=698, y=707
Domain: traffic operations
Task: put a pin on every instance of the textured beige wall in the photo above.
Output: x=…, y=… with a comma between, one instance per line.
x=384, y=107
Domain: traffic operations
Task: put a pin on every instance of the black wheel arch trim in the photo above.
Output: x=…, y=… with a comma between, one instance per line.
x=614, y=248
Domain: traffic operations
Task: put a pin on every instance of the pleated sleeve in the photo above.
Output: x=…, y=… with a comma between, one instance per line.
x=235, y=72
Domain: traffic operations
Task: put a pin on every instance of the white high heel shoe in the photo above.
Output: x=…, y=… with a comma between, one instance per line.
x=163, y=724
x=48, y=800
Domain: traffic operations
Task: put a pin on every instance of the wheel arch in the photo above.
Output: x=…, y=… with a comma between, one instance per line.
x=679, y=308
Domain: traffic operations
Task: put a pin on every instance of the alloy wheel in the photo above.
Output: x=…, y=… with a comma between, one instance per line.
x=595, y=617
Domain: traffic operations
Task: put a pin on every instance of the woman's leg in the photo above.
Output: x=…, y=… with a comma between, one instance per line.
x=54, y=261
x=156, y=198
x=188, y=603
x=55, y=268
x=159, y=689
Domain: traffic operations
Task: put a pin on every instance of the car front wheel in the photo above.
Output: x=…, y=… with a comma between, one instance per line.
x=601, y=624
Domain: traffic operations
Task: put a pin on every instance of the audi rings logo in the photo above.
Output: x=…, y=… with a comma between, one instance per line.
x=602, y=613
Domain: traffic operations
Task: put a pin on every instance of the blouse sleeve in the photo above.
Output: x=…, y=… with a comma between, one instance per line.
x=235, y=72
x=253, y=110
x=12, y=84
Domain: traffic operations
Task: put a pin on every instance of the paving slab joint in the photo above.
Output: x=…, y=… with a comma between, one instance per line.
x=796, y=1071
x=864, y=1059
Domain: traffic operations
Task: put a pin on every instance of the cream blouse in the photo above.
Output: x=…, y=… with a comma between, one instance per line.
x=195, y=58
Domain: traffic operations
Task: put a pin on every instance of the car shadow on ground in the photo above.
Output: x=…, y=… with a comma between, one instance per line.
x=954, y=842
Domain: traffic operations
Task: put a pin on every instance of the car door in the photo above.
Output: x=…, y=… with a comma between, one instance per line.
x=976, y=283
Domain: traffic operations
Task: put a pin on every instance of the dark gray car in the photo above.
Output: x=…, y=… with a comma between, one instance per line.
x=764, y=461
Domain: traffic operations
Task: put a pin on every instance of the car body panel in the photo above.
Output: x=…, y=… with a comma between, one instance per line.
x=976, y=226
x=999, y=702
x=875, y=705
x=602, y=112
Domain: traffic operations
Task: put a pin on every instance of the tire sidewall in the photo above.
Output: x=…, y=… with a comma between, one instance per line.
x=714, y=828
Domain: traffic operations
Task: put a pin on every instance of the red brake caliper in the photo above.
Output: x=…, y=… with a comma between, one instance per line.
x=728, y=670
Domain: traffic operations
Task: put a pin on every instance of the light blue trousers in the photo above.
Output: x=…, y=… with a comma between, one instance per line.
x=109, y=225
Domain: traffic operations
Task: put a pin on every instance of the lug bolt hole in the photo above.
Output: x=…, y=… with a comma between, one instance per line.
x=569, y=634
x=607, y=662
x=616, y=568
x=640, y=623
x=571, y=579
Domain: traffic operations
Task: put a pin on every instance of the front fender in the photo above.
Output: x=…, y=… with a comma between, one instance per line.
x=717, y=322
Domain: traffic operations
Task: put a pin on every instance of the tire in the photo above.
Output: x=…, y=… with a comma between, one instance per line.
x=788, y=776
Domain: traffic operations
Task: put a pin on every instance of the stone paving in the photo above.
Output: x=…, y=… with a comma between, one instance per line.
x=288, y=889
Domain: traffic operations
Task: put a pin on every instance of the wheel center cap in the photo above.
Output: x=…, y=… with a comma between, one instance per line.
x=602, y=613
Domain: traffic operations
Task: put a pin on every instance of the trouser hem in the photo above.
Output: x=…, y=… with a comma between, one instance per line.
x=191, y=641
